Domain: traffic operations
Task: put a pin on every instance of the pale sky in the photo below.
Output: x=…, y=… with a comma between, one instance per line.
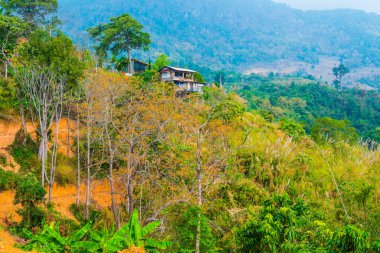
x=366, y=5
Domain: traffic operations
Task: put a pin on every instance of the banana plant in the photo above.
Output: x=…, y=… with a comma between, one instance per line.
x=50, y=240
x=133, y=234
x=94, y=241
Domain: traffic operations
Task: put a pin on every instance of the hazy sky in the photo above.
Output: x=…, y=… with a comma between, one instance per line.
x=367, y=5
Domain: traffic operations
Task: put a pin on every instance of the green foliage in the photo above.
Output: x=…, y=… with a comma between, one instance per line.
x=11, y=29
x=328, y=129
x=133, y=234
x=65, y=173
x=227, y=110
x=50, y=240
x=33, y=11
x=199, y=78
x=292, y=128
x=339, y=72
x=79, y=210
x=283, y=225
x=161, y=61
x=186, y=228
x=361, y=108
x=25, y=154
x=243, y=27
x=92, y=240
x=8, y=180
x=376, y=246
x=350, y=239
x=30, y=193
x=56, y=52
x=122, y=34
x=120, y=63
x=8, y=97
x=278, y=225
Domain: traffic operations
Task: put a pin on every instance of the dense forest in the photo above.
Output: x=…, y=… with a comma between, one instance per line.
x=97, y=160
x=235, y=34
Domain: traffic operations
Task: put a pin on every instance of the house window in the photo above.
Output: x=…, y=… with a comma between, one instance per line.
x=165, y=75
x=188, y=76
x=178, y=74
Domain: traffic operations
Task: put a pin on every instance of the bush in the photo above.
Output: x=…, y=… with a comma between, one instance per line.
x=3, y=160
x=227, y=110
x=8, y=180
x=350, y=239
x=25, y=154
x=79, y=210
x=30, y=193
x=327, y=129
x=8, y=96
x=65, y=172
x=292, y=128
x=186, y=228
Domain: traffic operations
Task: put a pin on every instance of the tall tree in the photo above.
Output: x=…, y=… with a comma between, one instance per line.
x=161, y=61
x=339, y=72
x=11, y=30
x=55, y=51
x=121, y=34
x=44, y=91
x=32, y=11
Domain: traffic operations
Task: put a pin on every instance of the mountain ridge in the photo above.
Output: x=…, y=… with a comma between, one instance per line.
x=238, y=34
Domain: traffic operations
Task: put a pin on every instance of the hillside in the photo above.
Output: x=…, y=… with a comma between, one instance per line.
x=236, y=34
x=94, y=159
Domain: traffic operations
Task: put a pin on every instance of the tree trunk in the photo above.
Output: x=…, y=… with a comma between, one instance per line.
x=87, y=214
x=112, y=188
x=199, y=193
x=68, y=131
x=78, y=158
x=43, y=153
x=110, y=178
x=54, y=155
x=6, y=69
x=22, y=115
x=130, y=69
x=130, y=194
x=50, y=192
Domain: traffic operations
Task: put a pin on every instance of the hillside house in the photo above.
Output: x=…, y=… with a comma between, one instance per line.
x=182, y=78
x=139, y=66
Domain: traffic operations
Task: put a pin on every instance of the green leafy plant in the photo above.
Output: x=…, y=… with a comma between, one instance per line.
x=133, y=234
x=91, y=240
x=292, y=128
x=50, y=240
x=30, y=194
x=350, y=239
x=8, y=180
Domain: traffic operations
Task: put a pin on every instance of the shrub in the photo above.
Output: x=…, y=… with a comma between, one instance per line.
x=8, y=180
x=30, y=193
x=3, y=160
x=65, y=172
x=292, y=128
x=186, y=228
x=327, y=128
x=350, y=239
x=25, y=154
x=227, y=110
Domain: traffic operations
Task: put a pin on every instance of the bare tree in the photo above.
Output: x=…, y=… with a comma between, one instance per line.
x=44, y=91
x=78, y=153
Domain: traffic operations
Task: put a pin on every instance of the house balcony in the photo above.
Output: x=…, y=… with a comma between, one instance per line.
x=176, y=79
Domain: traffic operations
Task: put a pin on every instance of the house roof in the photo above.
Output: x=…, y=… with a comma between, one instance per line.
x=141, y=62
x=179, y=69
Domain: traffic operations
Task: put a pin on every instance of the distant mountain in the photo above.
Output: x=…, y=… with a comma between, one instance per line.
x=236, y=33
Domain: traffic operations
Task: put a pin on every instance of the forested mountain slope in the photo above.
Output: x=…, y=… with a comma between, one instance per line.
x=236, y=33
